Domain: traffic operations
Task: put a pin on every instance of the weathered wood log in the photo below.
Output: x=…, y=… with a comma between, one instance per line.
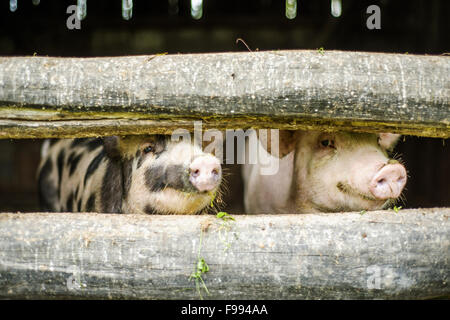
x=331, y=90
x=380, y=254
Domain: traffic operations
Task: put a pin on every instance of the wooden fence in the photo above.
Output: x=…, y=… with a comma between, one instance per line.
x=373, y=92
x=383, y=254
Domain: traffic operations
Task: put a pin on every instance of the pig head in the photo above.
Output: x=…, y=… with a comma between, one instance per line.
x=326, y=172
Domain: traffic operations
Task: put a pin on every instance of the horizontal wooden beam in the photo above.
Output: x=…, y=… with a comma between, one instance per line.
x=329, y=90
x=380, y=254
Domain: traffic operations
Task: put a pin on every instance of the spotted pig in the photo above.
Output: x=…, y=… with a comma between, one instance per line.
x=140, y=174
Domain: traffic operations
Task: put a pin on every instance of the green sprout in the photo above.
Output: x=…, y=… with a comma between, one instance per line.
x=397, y=209
x=321, y=51
x=224, y=216
x=362, y=212
x=213, y=197
x=156, y=55
x=224, y=228
x=201, y=267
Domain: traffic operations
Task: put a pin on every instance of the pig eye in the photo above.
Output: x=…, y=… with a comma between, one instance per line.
x=148, y=149
x=327, y=143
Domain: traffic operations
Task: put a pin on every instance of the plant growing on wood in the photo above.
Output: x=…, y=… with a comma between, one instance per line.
x=156, y=55
x=225, y=216
x=224, y=228
x=213, y=197
x=201, y=267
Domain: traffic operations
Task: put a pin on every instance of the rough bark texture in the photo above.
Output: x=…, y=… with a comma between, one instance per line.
x=330, y=90
x=381, y=254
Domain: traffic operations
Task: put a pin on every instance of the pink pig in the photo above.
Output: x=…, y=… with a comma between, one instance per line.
x=325, y=172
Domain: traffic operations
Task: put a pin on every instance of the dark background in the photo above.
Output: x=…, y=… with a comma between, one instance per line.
x=414, y=26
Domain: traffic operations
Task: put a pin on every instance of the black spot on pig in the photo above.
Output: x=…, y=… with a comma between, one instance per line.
x=77, y=142
x=149, y=210
x=74, y=163
x=70, y=158
x=127, y=176
x=111, y=187
x=154, y=179
x=52, y=141
x=177, y=177
x=76, y=192
x=171, y=176
x=94, y=144
x=139, y=159
x=90, y=204
x=94, y=165
x=60, y=163
x=48, y=194
x=69, y=204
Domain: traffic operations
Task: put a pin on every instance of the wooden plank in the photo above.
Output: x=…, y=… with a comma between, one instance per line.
x=331, y=90
x=380, y=254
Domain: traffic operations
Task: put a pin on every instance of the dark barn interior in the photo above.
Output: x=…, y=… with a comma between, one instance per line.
x=413, y=27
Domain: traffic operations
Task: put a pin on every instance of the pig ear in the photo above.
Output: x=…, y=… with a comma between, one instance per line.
x=388, y=140
x=111, y=145
x=286, y=141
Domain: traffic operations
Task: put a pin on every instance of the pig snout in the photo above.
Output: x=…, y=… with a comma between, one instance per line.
x=205, y=173
x=388, y=183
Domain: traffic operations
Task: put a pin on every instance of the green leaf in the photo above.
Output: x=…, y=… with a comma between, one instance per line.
x=221, y=214
x=224, y=216
x=213, y=197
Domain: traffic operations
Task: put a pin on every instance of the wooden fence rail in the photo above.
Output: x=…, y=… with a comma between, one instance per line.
x=380, y=254
x=374, y=92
